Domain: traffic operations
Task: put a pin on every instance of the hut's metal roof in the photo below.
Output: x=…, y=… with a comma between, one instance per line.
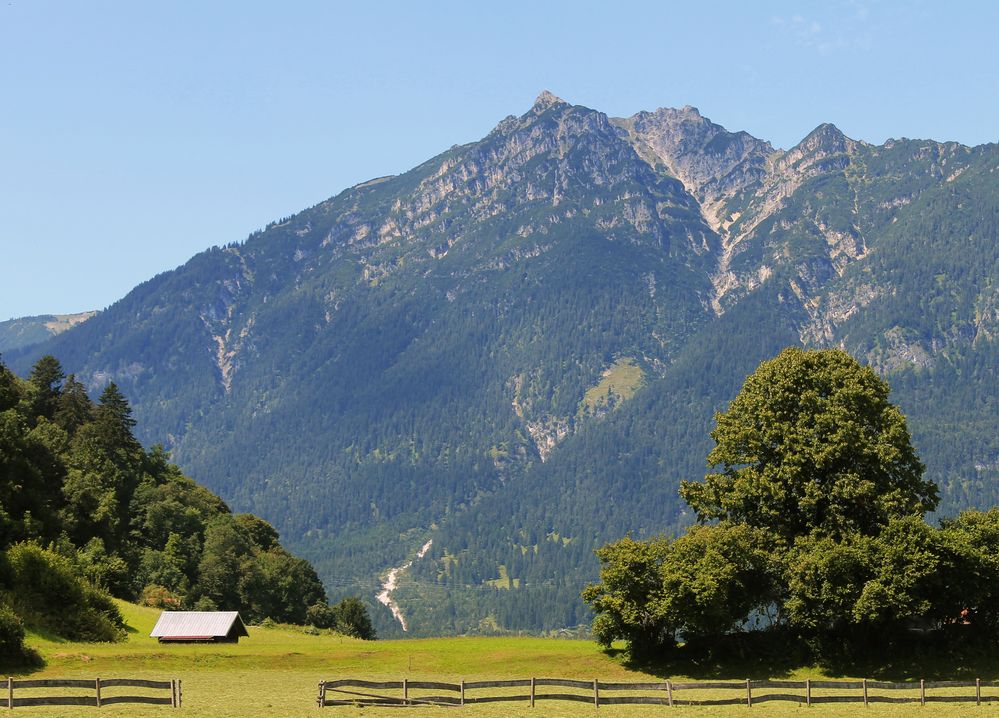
x=198, y=624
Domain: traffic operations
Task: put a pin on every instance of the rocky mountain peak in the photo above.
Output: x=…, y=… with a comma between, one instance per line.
x=827, y=138
x=547, y=100
x=711, y=162
x=826, y=143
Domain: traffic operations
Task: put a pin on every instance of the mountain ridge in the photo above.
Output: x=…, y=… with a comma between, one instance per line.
x=515, y=348
x=20, y=332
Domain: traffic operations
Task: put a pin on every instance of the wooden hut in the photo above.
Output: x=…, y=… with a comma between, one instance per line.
x=199, y=627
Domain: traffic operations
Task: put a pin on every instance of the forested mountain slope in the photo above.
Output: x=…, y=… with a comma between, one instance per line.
x=25, y=331
x=515, y=349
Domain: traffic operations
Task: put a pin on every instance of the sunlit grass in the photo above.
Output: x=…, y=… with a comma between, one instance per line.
x=275, y=672
x=622, y=379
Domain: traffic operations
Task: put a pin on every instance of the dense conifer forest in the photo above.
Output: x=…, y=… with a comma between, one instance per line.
x=86, y=513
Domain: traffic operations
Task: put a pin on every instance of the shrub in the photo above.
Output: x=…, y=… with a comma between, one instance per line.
x=160, y=597
x=47, y=593
x=13, y=652
x=352, y=619
x=321, y=615
x=205, y=604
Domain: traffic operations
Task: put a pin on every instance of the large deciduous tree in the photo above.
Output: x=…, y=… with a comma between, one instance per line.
x=820, y=498
x=705, y=582
x=812, y=444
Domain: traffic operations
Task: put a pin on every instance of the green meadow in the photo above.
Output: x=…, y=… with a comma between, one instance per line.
x=276, y=670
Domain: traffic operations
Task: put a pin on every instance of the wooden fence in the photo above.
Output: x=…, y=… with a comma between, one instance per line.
x=99, y=687
x=667, y=693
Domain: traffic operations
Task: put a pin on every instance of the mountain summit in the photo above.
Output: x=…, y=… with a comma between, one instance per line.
x=546, y=99
x=495, y=362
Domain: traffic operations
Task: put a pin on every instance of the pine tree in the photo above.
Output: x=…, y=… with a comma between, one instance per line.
x=74, y=408
x=46, y=381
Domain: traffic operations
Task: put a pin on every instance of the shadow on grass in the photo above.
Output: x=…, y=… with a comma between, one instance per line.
x=757, y=655
x=954, y=654
x=46, y=634
x=29, y=661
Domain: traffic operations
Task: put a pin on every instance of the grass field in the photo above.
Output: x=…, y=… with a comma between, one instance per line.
x=275, y=672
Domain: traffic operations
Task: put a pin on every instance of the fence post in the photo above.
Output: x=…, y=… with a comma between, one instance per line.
x=462, y=691
x=669, y=692
x=808, y=691
x=596, y=694
x=10, y=692
x=865, y=693
x=173, y=692
x=922, y=692
x=533, y=679
x=978, y=691
x=180, y=694
x=749, y=694
x=405, y=691
x=97, y=688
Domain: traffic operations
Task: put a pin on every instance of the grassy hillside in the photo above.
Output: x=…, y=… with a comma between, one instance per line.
x=275, y=671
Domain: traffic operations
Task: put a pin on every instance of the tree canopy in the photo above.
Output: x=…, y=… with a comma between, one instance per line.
x=812, y=444
x=86, y=512
x=820, y=500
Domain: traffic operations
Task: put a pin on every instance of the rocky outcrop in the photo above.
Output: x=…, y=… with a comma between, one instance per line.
x=714, y=164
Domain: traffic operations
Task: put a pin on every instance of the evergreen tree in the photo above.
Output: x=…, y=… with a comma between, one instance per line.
x=352, y=619
x=73, y=408
x=10, y=391
x=114, y=423
x=46, y=382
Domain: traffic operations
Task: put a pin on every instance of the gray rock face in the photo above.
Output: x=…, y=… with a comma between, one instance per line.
x=713, y=163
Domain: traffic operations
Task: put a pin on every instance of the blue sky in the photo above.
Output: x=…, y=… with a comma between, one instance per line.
x=135, y=134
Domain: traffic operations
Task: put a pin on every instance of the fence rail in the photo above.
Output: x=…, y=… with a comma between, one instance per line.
x=348, y=691
x=173, y=698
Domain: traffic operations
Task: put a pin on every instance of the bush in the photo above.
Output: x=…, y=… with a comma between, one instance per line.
x=352, y=619
x=48, y=594
x=160, y=597
x=205, y=604
x=321, y=615
x=13, y=652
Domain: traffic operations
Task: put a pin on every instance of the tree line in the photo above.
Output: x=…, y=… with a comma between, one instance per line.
x=87, y=513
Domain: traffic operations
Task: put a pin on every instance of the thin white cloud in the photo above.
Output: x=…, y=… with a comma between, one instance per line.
x=845, y=28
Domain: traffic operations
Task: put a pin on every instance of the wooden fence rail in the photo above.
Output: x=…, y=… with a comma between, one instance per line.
x=347, y=691
x=97, y=685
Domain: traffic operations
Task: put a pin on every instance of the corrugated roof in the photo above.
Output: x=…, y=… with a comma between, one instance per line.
x=197, y=624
